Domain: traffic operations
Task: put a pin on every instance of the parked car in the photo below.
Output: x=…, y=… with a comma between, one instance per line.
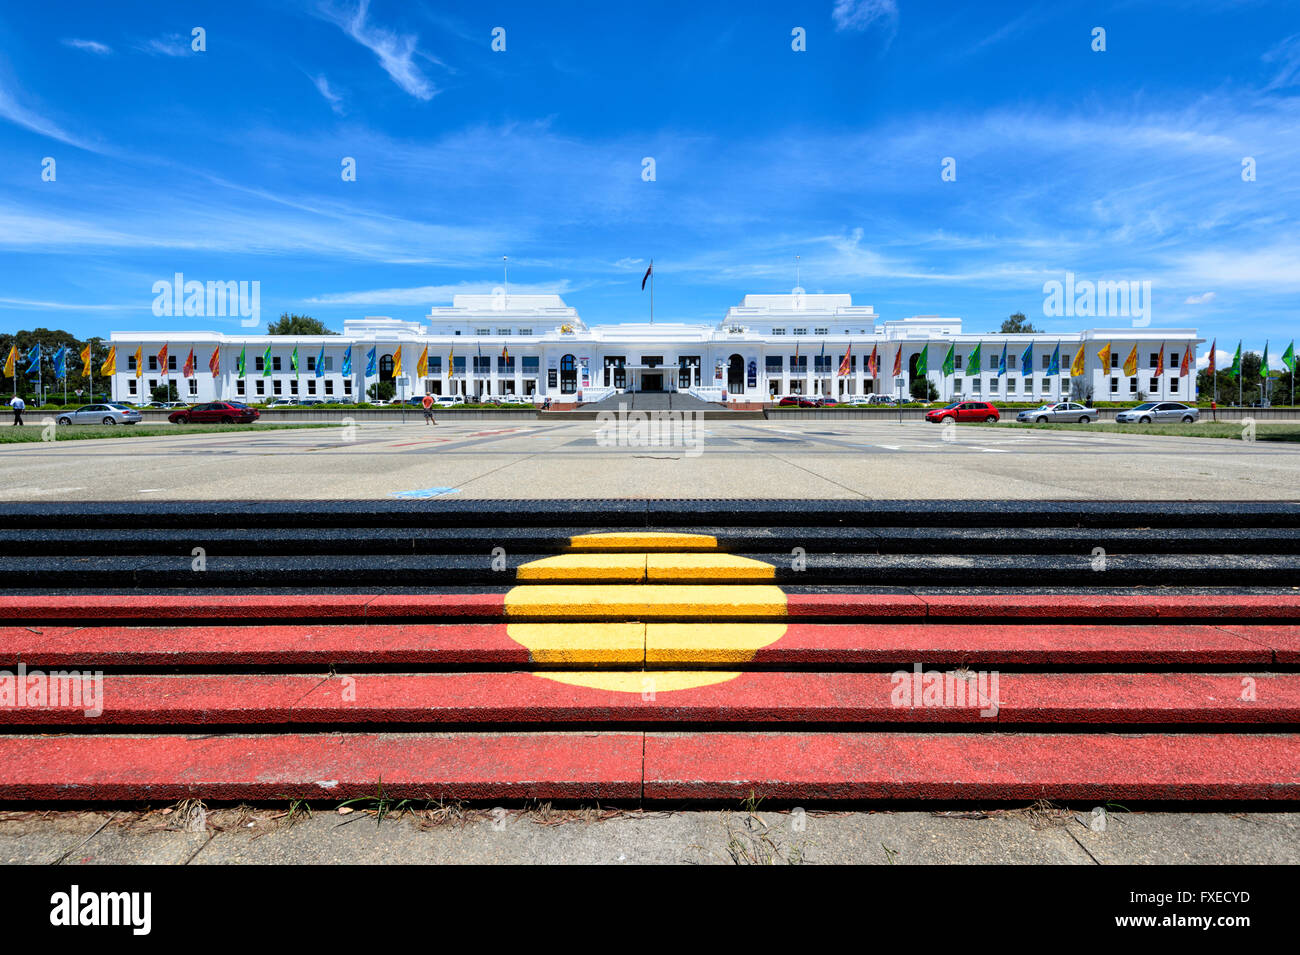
x=100, y=414
x=449, y=401
x=517, y=400
x=797, y=401
x=222, y=412
x=1150, y=411
x=1060, y=411
x=964, y=411
x=825, y=401
x=882, y=400
x=284, y=402
x=307, y=402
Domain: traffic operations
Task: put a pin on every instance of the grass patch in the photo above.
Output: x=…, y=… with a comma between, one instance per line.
x=84, y=432
x=1231, y=430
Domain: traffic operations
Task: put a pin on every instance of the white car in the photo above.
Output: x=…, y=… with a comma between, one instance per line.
x=449, y=401
x=517, y=400
x=284, y=402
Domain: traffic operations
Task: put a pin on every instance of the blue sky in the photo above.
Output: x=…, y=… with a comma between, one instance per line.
x=225, y=164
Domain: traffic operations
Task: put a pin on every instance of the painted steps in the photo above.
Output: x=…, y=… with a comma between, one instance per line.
x=652, y=664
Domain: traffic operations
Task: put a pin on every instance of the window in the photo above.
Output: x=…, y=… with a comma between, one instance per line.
x=530, y=363
x=347, y=386
x=311, y=386
x=153, y=362
x=821, y=331
x=552, y=379
x=525, y=331
x=1114, y=359
x=801, y=331
x=275, y=383
x=1173, y=360
x=171, y=362
x=131, y=383
x=956, y=361
x=194, y=386
x=261, y=387
x=311, y=362
x=1011, y=361
x=153, y=383
x=1173, y=385
x=975, y=384
x=329, y=386
x=1155, y=360
x=1155, y=384
x=1132, y=386
x=293, y=386
x=458, y=365
x=1047, y=360
x=257, y=363
x=505, y=366
x=275, y=362
x=778, y=331
x=798, y=363
x=774, y=364
x=482, y=365
x=482, y=331
x=822, y=364
x=239, y=386
x=503, y=331
x=1114, y=386
x=435, y=364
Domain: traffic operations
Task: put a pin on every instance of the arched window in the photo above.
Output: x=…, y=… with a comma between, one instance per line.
x=568, y=375
x=386, y=368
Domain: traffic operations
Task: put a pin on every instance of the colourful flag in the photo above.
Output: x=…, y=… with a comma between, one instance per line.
x=241, y=366
x=109, y=367
x=1002, y=361
x=214, y=363
x=347, y=362
x=950, y=361
x=85, y=359
x=505, y=355
x=422, y=366
x=1160, y=362
x=647, y=274
x=1131, y=363
x=898, y=362
x=1103, y=357
x=320, y=363
x=1027, y=360
x=9, y=362
x=1186, y=368
x=874, y=364
x=34, y=360
x=973, y=367
x=370, y=363
x=1054, y=366
x=1288, y=356
x=1210, y=366
x=1235, y=371
x=266, y=362
x=1264, y=371
x=451, y=360
x=397, y=362
x=139, y=362
x=922, y=362
x=60, y=358
x=844, y=363
x=162, y=358
x=188, y=370
x=293, y=360
x=1076, y=366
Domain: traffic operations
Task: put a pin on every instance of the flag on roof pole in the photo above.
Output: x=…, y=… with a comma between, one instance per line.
x=189, y=365
x=950, y=360
x=648, y=271
x=975, y=364
x=320, y=363
x=422, y=366
x=1211, y=365
x=109, y=367
x=1076, y=366
x=34, y=360
x=347, y=362
x=922, y=362
x=9, y=362
x=60, y=360
x=1235, y=371
x=1002, y=361
x=1131, y=363
x=214, y=363
x=844, y=364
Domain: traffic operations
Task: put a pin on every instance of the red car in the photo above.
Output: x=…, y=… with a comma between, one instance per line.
x=964, y=411
x=217, y=412
x=798, y=401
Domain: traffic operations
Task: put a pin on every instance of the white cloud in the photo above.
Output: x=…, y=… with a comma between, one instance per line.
x=11, y=110
x=396, y=51
x=323, y=87
x=173, y=44
x=90, y=46
x=1285, y=59
x=1202, y=299
x=431, y=294
x=858, y=15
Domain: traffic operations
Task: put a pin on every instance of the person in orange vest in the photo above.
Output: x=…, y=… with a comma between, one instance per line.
x=428, y=409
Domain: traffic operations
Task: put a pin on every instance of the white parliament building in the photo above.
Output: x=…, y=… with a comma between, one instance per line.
x=764, y=348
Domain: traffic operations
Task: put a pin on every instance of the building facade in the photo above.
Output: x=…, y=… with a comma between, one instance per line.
x=764, y=348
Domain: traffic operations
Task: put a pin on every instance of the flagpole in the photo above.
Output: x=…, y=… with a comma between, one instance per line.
x=652, y=291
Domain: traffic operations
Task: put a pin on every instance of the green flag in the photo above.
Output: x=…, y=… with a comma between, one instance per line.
x=293, y=360
x=973, y=368
x=1288, y=356
x=1263, y=362
x=922, y=365
x=948, y=361
x=1235, y=371
x=266, y=363
x=242, y=359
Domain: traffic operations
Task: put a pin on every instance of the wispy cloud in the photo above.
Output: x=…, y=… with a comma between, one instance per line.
x=331, y=97
x=859, y=15
x=90, y=46
x=396, y=51
x=15, y=112
x=173, y=44
x=1202, y=299
x=1285, y=60
x=433, y=294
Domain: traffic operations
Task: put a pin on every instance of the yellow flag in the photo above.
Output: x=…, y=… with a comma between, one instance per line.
x=85, y=359
x=397, y=362
x=9, y=362
x=1131, y=363
x=110, y=363
x=1103, y=357
x=139, y=362
x=422, y=366
x=1076, y=367
x=451, y=360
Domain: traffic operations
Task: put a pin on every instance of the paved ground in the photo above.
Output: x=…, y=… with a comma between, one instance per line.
x=1030, y=835
x=805, y=459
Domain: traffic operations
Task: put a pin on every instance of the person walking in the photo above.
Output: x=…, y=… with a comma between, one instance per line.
x=428, y=409
x=19, y=407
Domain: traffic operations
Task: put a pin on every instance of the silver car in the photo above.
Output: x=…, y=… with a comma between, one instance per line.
x=1159, y=411
x=100, y=414
x=1060, y=411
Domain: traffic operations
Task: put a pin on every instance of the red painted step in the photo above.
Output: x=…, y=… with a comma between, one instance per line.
x=327, y=766
x=831, y=698
x=971, y=766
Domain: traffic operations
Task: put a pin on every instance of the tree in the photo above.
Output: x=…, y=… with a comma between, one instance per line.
x=1080, y=390
x=1017, y=324
x=923, y=389
x=381, y=390
x=165, y=392
x=50, y=340
x=297, y=325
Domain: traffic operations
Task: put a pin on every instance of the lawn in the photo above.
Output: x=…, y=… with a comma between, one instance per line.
x=84, y=432
x=1279, y=431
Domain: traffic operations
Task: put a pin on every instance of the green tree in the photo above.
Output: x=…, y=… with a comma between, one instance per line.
x=923, y=389
x=166, y=392
x=1017, y=323
x=297, y=325
x=50, y=341
x=381, y=390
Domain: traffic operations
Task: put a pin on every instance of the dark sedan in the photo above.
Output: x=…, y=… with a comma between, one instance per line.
x=216, y=412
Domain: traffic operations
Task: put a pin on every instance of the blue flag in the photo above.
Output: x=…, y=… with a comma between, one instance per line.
x=60, y=357
x=347, y=362
x=34, y=360
x=1054, y=366
x=370, y=362
x=1002, y=362
x=320, y=363
x=1027, y=360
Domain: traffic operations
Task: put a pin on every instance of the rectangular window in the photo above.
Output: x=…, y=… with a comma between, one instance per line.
x=956, y=361
x=801, y=331
x=821, y=331
x=1155, y=385
x=1132, y=386
x=347, y=386
x=435, y=364
x=130, y=363
x=257, y=363
x=1114, y=386
x=1173, y=359
x=261, y=387
x=311, y=362
x=171, y=362
x=1047, y=360
x=1011, y=361
x=975, y=384
x=798, y=364
x=1155, y=360
x=131, y=386
x=311, y=386
x=1011, y=383
x=153, y=362
x=329, y=386
x=822, y=364
x=482, y=365
x=293, y=386
x=525, y=331
x=506, y=366
x=239, y=386
x=457, y=365
x=778, y=331
x=194, y=386
x=329, y=363
x=275, y=383
x=482, y=331
x=552, y=379
x=275, y=362
x=1173, y=385
x=531, y=364
x=1114, y=359
x=774, y=364
x=503, y=331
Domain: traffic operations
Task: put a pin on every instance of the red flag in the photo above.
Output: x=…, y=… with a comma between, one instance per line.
x=1213, y=345
x=844, y=365
x=898, y=362
x=1186, y=369
x=647, y=274
x=874, y=363
x=215, y=362
x=189, y=365
x=162, y=357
